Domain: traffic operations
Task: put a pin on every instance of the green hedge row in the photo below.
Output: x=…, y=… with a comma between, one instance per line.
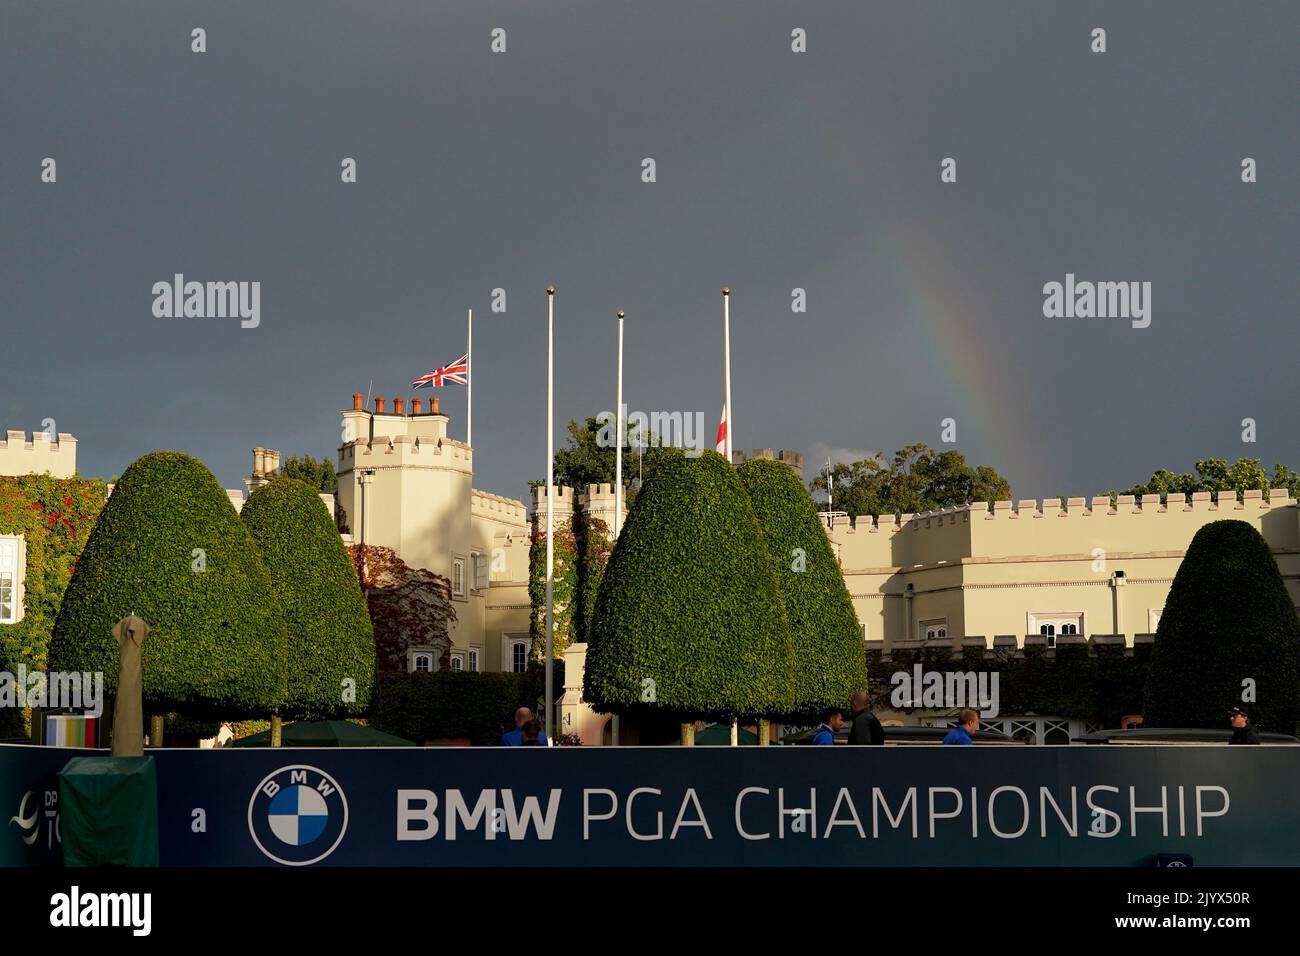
x=457, y=705
x=1099, y=688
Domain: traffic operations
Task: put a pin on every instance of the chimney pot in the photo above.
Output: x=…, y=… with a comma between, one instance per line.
x=433, y=407
x=356, y=401
x=415, y=406
x=379, y=405
x=397, y=406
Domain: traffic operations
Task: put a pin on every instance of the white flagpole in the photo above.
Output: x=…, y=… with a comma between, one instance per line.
x=550, y=493
x=469, y=381
x=726, y=339
x=618, y=476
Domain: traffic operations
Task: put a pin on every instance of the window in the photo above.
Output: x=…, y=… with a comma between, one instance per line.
x=480, y=571
x=473, y=658
x=936, y=630
x=1053, y=623
x=12, y=558
x=458, y=577
x=457, y=661
x=422, y=663
x=1153, y=619
x=519, y=657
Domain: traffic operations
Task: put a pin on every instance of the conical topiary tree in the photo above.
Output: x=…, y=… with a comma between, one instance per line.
x=689, y=619
x=169, y=547
x=1228, y=620
x=829, y=656
x=331, y=645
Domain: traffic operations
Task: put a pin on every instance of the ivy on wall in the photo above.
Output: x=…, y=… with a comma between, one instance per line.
x=54, y=516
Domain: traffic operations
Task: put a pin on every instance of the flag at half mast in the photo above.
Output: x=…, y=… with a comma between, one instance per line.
x=457, y=371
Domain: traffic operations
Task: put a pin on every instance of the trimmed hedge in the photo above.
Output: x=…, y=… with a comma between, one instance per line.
x=1099, y=688
x=1228, y=618
x=454, y=705
x=829, y=656
x=689, y=601
x=330, y=638
x=217, y=643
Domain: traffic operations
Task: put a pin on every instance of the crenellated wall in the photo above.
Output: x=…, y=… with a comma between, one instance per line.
x=1001, y=570
x=38, y=455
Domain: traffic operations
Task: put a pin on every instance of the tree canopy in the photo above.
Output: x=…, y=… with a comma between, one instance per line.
x=169, y=547
x=318, y=475
x=689, y=619
x=829, y=655
x=1228, y=637
x=916, y=479
x=331, y=644
x=1215, y=475
x=588, y=457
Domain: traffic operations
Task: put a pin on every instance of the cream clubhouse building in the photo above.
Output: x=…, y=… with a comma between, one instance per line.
x=1026, y=572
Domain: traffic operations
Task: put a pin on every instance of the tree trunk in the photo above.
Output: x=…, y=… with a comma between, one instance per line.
x=764, y=731
x=688, y=735
x=735, y=732
x=277, y=731
x=156, y=730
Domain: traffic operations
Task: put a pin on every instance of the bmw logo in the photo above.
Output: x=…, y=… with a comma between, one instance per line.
x=298, y=815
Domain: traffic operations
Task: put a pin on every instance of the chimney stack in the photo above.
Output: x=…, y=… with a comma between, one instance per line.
x=356, y=401
x=379, y=405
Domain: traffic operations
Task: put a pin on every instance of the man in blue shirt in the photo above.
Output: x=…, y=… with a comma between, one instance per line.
x=515, y=738
x=832, y=721
x=967, y=723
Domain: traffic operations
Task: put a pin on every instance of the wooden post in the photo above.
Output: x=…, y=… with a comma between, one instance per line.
x=156, y=730
x=764, y=731
x=688, y=735
x=277, y=730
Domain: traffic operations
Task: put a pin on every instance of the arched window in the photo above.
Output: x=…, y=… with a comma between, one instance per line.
x=519, y=657
x=422, y=663
x=1048, y=629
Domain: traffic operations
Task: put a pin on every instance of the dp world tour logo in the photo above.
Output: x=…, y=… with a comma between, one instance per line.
x=298, y=815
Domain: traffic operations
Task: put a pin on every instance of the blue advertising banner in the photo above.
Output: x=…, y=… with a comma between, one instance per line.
x=670, y=806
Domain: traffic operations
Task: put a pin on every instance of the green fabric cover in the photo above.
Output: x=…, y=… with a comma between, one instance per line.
x=108, y=809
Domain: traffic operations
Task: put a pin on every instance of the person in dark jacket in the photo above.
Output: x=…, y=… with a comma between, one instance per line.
x=865, y=728
x=515, y=738
x=1242, y=731
x=967, y=723
x=832, y=721
x=531, y=734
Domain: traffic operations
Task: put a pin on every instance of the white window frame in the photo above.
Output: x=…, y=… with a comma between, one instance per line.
x=13, y=565
x=1035, y=621
x=508, y=642
x=416, y=657
x=929, y=628
x=458, y=576
x=458, y=660
x=474, y=659
x=479, y=570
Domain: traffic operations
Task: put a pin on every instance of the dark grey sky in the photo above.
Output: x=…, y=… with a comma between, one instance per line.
x=775, y=170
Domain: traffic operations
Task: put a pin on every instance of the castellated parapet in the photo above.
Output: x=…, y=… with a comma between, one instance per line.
x=39, y=455
x=562, y=505
x=498, y=507
x=792, y=458
x=1050, y=528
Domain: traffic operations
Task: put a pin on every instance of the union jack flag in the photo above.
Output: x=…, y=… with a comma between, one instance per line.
x=457, y=371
